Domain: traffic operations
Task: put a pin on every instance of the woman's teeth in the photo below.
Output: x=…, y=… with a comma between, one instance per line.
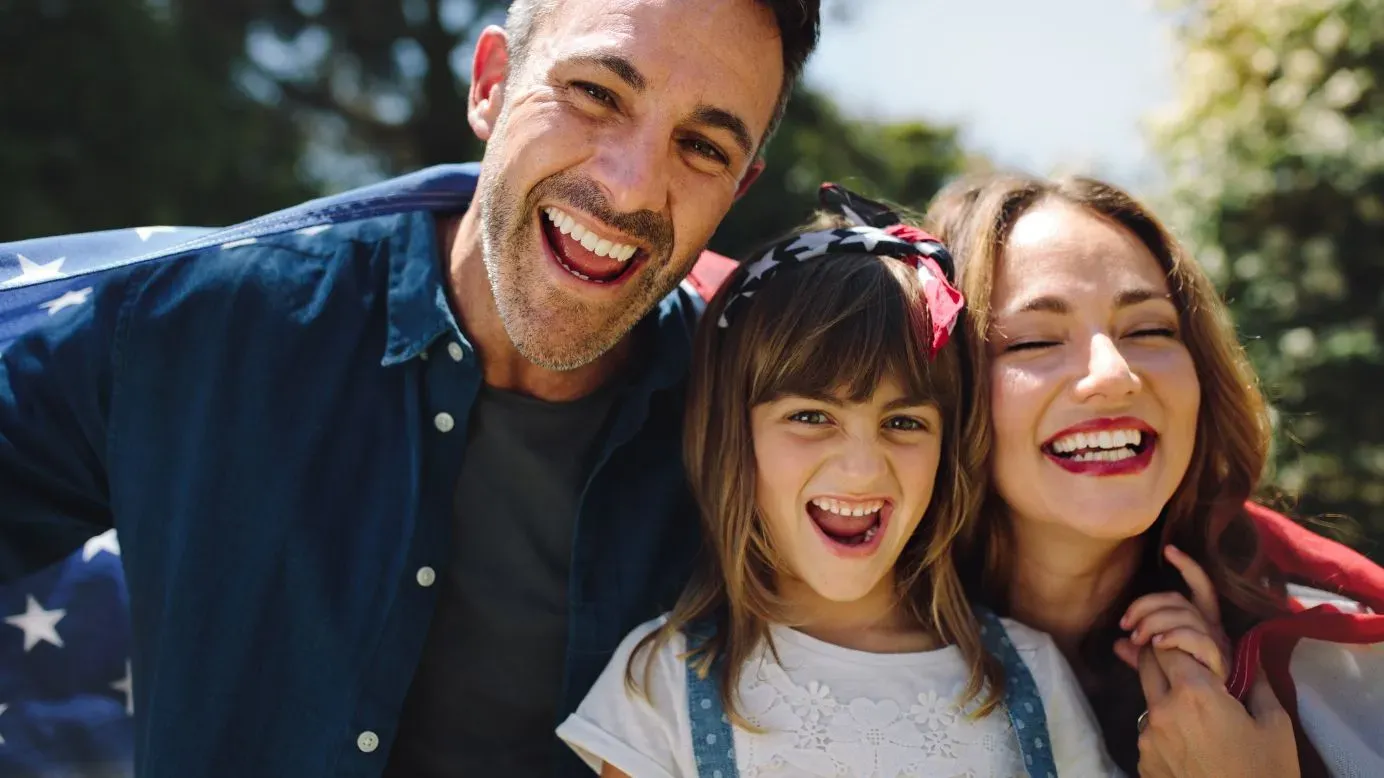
x=589, y=240
x=1090, y=444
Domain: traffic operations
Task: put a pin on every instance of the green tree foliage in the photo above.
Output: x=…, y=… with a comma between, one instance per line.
x=115, y=113
x=208, y=111
x=1277, y=153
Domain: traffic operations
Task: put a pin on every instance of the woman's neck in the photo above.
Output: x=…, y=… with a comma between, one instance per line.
x=878, y=622
x=1063, y=582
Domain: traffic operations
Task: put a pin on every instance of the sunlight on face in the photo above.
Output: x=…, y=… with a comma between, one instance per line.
x=1095, y=396
x=842, y=486
x=631, y=122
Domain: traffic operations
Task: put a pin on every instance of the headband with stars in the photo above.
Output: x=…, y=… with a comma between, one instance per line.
x=877, y=231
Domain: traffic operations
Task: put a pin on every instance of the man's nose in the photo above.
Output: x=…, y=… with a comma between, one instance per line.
x=633, y=171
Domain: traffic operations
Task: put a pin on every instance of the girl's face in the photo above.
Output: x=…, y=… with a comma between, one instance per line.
x=1094, y=394
x=842, y=485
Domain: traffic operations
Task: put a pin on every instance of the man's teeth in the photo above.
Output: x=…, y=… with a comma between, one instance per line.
x=845, y=508
x=589, y=240
x=1107, y=441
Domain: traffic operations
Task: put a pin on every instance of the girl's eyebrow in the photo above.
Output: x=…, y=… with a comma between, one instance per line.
x=1054, y=304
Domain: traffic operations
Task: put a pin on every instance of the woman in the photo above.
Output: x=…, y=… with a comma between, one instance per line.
x=1126, y=433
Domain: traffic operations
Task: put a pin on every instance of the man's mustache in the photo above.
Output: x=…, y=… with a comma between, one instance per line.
x=583, y=194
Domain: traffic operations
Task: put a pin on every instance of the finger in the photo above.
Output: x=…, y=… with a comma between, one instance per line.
x=1150, y=603
x=1152, y=678
x=1203, y=591
x=1181, y=669
x=1200, y=645
x=1166, y=620
x=1127, y=652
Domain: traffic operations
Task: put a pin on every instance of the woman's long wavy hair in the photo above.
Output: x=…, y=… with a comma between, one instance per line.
x=1206, y=516
x=840, y=324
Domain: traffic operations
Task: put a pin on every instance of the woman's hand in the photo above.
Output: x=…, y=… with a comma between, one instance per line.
x=1196, y=729
x=1168, y=621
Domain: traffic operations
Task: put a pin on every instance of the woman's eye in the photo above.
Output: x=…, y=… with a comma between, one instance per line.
x=1030, y=345
x=809, y=417
x=1154, y=332
x=598, y=93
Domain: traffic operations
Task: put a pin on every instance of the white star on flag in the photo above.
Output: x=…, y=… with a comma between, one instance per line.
x=68, y=300
x=126, y=685
x=815, y=242
x=145, y=233
x=104, y=542
x=759, y=268
x=38, y=624
x=866, y=236
x=31, y=271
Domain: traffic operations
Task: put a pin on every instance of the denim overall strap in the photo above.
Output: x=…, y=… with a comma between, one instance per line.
x=713, y=745
x=1021, y=699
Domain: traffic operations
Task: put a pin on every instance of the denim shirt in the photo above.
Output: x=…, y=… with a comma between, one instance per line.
x=274, y=425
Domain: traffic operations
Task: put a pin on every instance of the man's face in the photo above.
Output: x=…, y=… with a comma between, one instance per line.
x=617, y=147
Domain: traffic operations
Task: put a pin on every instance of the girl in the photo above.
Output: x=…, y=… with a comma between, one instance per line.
x=1126, y=432
x=827, y=633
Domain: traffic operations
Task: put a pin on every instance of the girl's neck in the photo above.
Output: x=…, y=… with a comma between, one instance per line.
x=878, y=622
x=1063, y=582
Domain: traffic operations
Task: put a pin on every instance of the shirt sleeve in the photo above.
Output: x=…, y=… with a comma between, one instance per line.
x=1078, y=746
x=643, y=732
x=56, y=382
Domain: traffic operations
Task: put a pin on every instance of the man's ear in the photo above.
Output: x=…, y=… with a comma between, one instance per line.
x=750, y=177
x=489, y=68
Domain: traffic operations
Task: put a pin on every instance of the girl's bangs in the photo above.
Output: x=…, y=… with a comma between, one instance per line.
x=867, y=323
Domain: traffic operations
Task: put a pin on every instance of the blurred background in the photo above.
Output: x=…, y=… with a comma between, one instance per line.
x=1255, y=126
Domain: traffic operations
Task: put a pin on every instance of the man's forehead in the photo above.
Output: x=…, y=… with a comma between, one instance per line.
x=732, y=45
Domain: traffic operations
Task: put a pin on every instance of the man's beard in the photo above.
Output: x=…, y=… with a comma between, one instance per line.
x=547, y=326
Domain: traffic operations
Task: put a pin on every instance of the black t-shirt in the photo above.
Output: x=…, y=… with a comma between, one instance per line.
x=484, y=699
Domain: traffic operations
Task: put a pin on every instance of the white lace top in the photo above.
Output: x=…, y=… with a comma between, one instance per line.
x=834, y=712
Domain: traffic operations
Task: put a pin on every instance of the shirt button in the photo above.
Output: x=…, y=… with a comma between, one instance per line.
x=423, y=355
x=454, y=349
x=367, y=741
x=444, y=422
x=426, y=576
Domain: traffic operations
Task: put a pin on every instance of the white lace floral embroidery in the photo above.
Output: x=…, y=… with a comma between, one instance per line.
x=807, y=731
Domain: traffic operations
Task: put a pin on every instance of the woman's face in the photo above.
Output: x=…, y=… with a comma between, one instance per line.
x=1094, y=393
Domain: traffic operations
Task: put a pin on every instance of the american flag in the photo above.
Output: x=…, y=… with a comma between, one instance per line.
x=66, y=701
x=66, y=705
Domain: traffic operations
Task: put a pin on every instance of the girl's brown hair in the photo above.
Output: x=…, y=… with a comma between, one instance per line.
x=1206, y=516
x=838, y=325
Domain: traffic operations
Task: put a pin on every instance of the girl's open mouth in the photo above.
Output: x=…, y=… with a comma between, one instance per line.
x=1116, y=447
x=850, y=527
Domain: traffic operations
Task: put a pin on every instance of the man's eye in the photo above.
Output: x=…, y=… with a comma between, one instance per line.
x=704, y=148
x=598, y=93
x=809, y=417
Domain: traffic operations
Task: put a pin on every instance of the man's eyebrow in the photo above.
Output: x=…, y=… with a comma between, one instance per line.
x=622, y=68
x=720, y=118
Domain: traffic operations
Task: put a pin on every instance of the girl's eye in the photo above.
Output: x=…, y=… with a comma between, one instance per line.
x=905, y=424
x=598, y=93
x=809, y=417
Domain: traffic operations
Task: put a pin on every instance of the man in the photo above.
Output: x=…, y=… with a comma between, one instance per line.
x=389, y=493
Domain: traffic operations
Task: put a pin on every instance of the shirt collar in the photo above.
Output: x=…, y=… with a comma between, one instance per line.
x=419, y=313
x=417, y=300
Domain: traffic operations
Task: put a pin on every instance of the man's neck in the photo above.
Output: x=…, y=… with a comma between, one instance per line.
x=473, y=303
x=1063, y=582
